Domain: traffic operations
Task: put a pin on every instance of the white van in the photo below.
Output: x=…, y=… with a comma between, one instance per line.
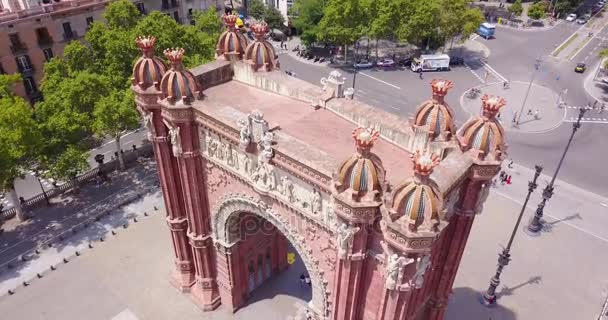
x=431, y=62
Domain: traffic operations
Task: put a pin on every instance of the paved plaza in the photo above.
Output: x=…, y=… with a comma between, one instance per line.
x=126, y=276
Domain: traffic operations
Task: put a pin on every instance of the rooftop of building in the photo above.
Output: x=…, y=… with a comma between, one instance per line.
x=320, y=137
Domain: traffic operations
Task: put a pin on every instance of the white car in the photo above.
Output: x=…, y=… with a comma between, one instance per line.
x=571, y=17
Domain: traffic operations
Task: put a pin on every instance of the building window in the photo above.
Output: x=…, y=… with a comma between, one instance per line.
x=141, y=7
x=48, y=53
x=23, y=63
x=89, y=22
x=16, y=44
x=2, y=70
x=67, y=31
x=176, y=16
x=30, y=85
x=44, y=38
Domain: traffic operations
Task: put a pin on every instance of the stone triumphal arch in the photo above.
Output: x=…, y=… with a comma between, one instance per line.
x=378, y=208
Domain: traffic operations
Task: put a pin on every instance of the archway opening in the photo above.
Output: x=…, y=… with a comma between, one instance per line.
x=268, y=270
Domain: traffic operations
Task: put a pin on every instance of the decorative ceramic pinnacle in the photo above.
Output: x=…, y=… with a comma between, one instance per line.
x=260, y=29
x=146, y=45
x=230, y=20
x=424, y=163
x=440, y=88
x=175, y=55
x=491, y=105
x=365, y=138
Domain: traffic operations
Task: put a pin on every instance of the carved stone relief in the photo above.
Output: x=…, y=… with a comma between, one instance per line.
x=345, y=237
x=175, y=139
x=268, y=179
x=394, y=270
x=422, y=264
x=147, y=121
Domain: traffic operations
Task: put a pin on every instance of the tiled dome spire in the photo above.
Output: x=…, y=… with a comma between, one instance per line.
x=416, y=202
x=485, y=133
x=362, y=174
x=436, y=114
x=260, y=53
x=148, y=70
x=231, y=41
x=179, y=84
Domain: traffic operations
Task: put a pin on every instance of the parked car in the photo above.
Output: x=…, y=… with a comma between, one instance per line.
x=580, y=68
x=583, y=19
x=385, y=63
x=571, y=17
x=600, y=4
x=363, y=64
x=405, y=62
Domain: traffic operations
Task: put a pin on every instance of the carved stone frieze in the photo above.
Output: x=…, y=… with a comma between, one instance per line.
x=345, y=234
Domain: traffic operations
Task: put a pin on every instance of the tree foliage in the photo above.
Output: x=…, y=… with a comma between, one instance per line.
x=256, y=9
x=516, y=8
x=19, y=137
x=537, y=10
x=69, y=164
x=341, y=22
x=7, y=81
x=274, y=18
x=308, y=14
x=208, y=22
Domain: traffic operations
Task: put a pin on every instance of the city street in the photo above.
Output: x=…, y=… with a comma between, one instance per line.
x=29, y=185
x=512, y=56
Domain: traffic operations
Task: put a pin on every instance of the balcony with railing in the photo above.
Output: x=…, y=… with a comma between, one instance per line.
x=25, y=69
x=69, y=36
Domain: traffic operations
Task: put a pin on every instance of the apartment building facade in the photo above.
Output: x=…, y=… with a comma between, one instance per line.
x=33, y=31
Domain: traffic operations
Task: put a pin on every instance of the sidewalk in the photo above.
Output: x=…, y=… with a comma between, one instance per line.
x=594, y=87
x=577, y=208
x=540, y=97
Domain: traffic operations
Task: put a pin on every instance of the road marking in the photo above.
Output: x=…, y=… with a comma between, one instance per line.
x=494, y=72
x=475, y=36
x=382, y=81
x=603, y=204
x=393, y=107
x=474, y=73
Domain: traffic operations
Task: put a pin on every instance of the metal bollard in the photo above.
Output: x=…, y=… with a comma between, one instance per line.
x=90, y=246
x=77, y=254
x=11, y=292
x=38, y=275
x=25, y=283
x=53, y=268
x=134, y=219
x=65, y=260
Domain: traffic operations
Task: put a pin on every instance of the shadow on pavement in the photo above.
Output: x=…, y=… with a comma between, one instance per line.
x=22, y=242
x=508, y=291
x=549, y=226
x=465, y=304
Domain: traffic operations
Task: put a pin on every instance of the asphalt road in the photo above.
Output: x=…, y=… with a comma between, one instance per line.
x=29, y=186
x=513, y=56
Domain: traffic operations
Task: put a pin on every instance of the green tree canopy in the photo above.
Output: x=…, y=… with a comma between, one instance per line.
x=342, y=22
x=274, y=18
x=114, y=114
x=256, y=9
x=70, y=164
x=308, y=14
x=516, y=8
x=208, y=22
x=7, y=81
x=537, y=10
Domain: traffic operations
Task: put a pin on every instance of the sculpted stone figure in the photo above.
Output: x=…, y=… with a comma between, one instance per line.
x=266, y=143
x=422, y=264
x=329, y=213
x=229, y=155
x=245, y=133
x=247, y=165
x=315, y=202
x=393, y=270
x=264, y=177
x=147, y=118
x=345, y=237
x=286, y=189
x=174, y=139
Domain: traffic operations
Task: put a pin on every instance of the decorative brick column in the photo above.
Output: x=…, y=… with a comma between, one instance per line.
x=170, y=182
x=184, y=139
x=147, y=74
x=454, y=245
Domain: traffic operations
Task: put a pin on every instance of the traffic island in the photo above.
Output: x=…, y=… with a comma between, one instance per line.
x=540, y=99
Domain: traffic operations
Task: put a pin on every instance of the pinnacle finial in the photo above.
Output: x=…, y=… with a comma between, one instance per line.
x=146, y=45
x=365, y=138
x=175, y=56
x=260, y=29
x=491, y=105
x=440, y=88
x=424, y=163
x=230, y=20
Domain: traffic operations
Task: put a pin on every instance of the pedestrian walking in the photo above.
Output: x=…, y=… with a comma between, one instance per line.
x=494, y=183
x=514, y=117
x=594, y=104
x=505, y=85
x=420, y=74
x=302, y=280
x=509, y=179
x=529, y=112
x=602, y=108
x=510, y=165
x=307, y=280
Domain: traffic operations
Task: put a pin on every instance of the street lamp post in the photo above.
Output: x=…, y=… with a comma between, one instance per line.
x=536, y=67
x=46, y=197
x=489, y=297
x=356, y=68
x=536, y=224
